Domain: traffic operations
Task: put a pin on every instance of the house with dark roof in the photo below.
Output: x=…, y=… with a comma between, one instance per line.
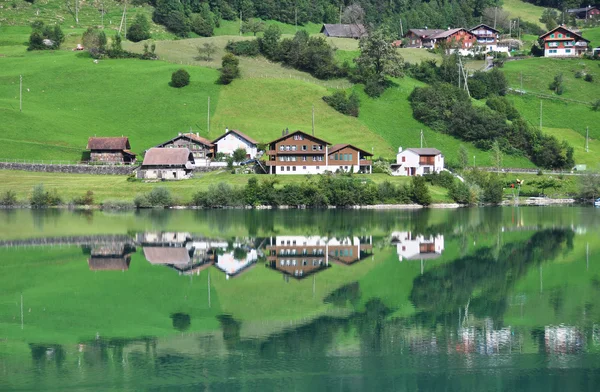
x=167, y=164
x=563, y=42
x=110, y=150
x=347, y=158
x=488, y=39
x=202, y=149
x=418, y=162
x=589, y=12
x=355, y=31
x=232, y=140
x=420, y=38
x=458, y=39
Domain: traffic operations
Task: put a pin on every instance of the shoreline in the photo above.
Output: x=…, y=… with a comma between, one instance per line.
x=532, y=202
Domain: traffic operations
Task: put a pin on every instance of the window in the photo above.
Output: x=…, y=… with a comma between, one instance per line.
x=294, y=168
x=350, y=156
x=314, y=147
x=293, y=148
x=559, y=35
x=567, y=50
x=320, y=148
x=551, y=35
x=303, y=148
x=335, y=157
x=318, y=167
x=288, y=168
x=403, y=159
x=320, y=158
x=304, y=262
x=281, y=148
x=304, y=158
x=298, y=137
x=287, y=148
x=304, y=167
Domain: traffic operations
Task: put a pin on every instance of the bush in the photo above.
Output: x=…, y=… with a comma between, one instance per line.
x=596, y=105
x=94, y=40
x=420, y=192
x=460, y=193
x=8, y=199
x=180, y=78
x=41, y=198
x=86, y=200
x=557, y=84
x=345, y=105
x=158, y=197
x=589, y=78
x=53, y=36
x=243, y=48
x=201, y=26
x=443, y=179
x=139, y=29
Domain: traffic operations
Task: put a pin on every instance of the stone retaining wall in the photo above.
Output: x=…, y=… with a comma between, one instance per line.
x=74, y=169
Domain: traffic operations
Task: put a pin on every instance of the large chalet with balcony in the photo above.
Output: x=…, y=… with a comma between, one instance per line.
x=301, y=153
x=459, y=39
x=562, y=42
x=487, y=39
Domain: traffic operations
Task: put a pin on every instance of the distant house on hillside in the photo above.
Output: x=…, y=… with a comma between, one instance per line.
x=202, y=149
x=458, y=39
x=562, y=42
x=589, y=12
x=355, y=31
x=417, y=162
x=167, y=164
x=110, y=150
x=233, y=139
x=487, y=38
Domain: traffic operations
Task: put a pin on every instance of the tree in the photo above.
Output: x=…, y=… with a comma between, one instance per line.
x=202, y=25
x=557, y=84
x=420, y=191
x=94, y=40
x=181, y=321
x=240, y=155
x=206, y=51
x=139, y=29
x=463, y=157
x=589, y=186
x=180, y=78
x=549, y=18
x=45, y=37
x=253, y=26
x=378, y=58
x=269, y=42
x=229, y=69
x=353, y=14
x=497, y=155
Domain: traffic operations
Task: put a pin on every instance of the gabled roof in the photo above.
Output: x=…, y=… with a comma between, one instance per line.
x=166, y=255
x=302, y=133
x=190, y=136
x=448, y=33
x=424, y=33
x=336, y=147
x=485, y=26
x=108, y=143
x=345, y=30
x=578, y=10
x=167, y=156
x=424, y=151
x=561, y=27
x=243, y=136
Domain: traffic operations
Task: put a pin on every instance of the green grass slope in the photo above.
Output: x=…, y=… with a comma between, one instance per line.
x=578, y=142
x=526, y=11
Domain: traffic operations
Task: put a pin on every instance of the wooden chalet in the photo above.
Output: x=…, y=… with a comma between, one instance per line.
x=202, y=149
x=420, y=38
x=110, y=150
x=167, y=164
x=355, y=31
x=297, y=153
x=563, y=42
x=297, y=256
x=453, y=39
x=487, y=38
x=346, y=158
x=589, y=12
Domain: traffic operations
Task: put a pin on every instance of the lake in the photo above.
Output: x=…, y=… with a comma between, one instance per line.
x=472, y=299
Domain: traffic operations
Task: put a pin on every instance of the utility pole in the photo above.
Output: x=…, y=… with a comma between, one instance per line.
x=495, y=12
x=587, y=139
x=103, y=14
x=125, y=21
x=421, y=138
x=521, y=75
x=340, y=13
x=296, y=16
x=401, y=29
x=20, y=93
x=241, y=22
x=541, y=115
x=208, y=117
x=313, y=120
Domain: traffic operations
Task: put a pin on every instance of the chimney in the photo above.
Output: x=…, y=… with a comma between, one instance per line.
x=226, y=129
x=179, y=133
x=399, y=150
x=198, y=134
x=287, y=131
x=283, y=132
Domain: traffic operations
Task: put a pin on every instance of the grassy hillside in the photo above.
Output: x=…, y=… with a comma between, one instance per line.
x=526, y=11
x=577, y=140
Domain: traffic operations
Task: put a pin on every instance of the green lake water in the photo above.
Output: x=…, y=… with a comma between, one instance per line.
x=481, y=299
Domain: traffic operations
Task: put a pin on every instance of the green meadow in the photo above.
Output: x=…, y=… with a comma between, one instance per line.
x=526, y=11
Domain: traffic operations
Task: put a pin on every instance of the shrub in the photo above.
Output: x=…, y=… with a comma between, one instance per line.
x=420, y=192
x=180, y=78
x=239, y=155
x=8, y=199
x=41, y=198
x=229, y=69
x=206, y=51
x=202, y=26
x=86, y=200
x=94, y=40
x=343, y=104
x=157, y=197
x=596, y=105
x=374, y=87
x=139, y=29
x=243, y=48
x=589, y=78
x=579, y=74
x=557, y=84
x=443, y=179
x=460, y=193
x=53, y=36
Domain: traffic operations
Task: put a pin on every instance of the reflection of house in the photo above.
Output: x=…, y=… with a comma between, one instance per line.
x=236, y=262
x=110, y=257
x=562, y=42
x=232, y=140
x=344, y=30
x=167, y=164
x=563, y=339
x=202, y=149
x=111, y=150
x=417, y=162
x=418, y=247
x=349, y=250
x=298, y=256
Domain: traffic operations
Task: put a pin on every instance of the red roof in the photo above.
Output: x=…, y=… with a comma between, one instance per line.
x=564, y=29
x=108, y=143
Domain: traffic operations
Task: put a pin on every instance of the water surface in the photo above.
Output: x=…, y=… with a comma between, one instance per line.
x=488, y=299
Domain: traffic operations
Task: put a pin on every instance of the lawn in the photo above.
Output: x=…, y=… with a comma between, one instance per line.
x=526, y=11
x=538, y=73
x=593, y=34
x=117, y=187
x=577, y=141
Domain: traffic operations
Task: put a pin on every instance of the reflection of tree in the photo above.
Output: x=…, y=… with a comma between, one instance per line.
x=181, y=321
x=231, y=330
x=343, y=295
x=43, y=353
x=442, y=290
x=239, y=253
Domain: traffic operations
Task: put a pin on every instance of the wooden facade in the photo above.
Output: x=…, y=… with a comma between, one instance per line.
x=562, y=42
x=586, y=13
x=297, y=153
x=110, y=150
x=420, y=38
x=202, y=149
x=346, y=157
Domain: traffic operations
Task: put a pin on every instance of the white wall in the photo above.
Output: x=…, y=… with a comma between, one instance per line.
x=301, y=169
x=409, y=246
x=232, y=142
x=562, y=52
x=167, y=174
x=412, y=160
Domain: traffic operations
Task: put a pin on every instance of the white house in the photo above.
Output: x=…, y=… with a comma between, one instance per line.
x=417, y=247
x=417, y=162
x=233, y=139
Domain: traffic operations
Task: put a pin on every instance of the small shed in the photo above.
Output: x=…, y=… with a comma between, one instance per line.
x=110, y=150
x=355, y=31
x=167, y=164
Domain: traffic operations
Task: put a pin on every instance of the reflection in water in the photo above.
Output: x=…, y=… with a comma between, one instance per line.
x=417, y=247
x=110, y=257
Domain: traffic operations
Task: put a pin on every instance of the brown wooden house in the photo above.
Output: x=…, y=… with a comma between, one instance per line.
x=297, y=256
x=110, y=257
x=110, y=150
x=297, y=153
x=202, y=149
x=355, y=31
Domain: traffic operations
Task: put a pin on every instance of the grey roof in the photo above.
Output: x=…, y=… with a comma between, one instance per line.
x=484, y=26
x=425, y=151
x=108, y=143
x=167, y=156
x=447, y=33
x=425, y=33
x=578, y=10
x=344, y=30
